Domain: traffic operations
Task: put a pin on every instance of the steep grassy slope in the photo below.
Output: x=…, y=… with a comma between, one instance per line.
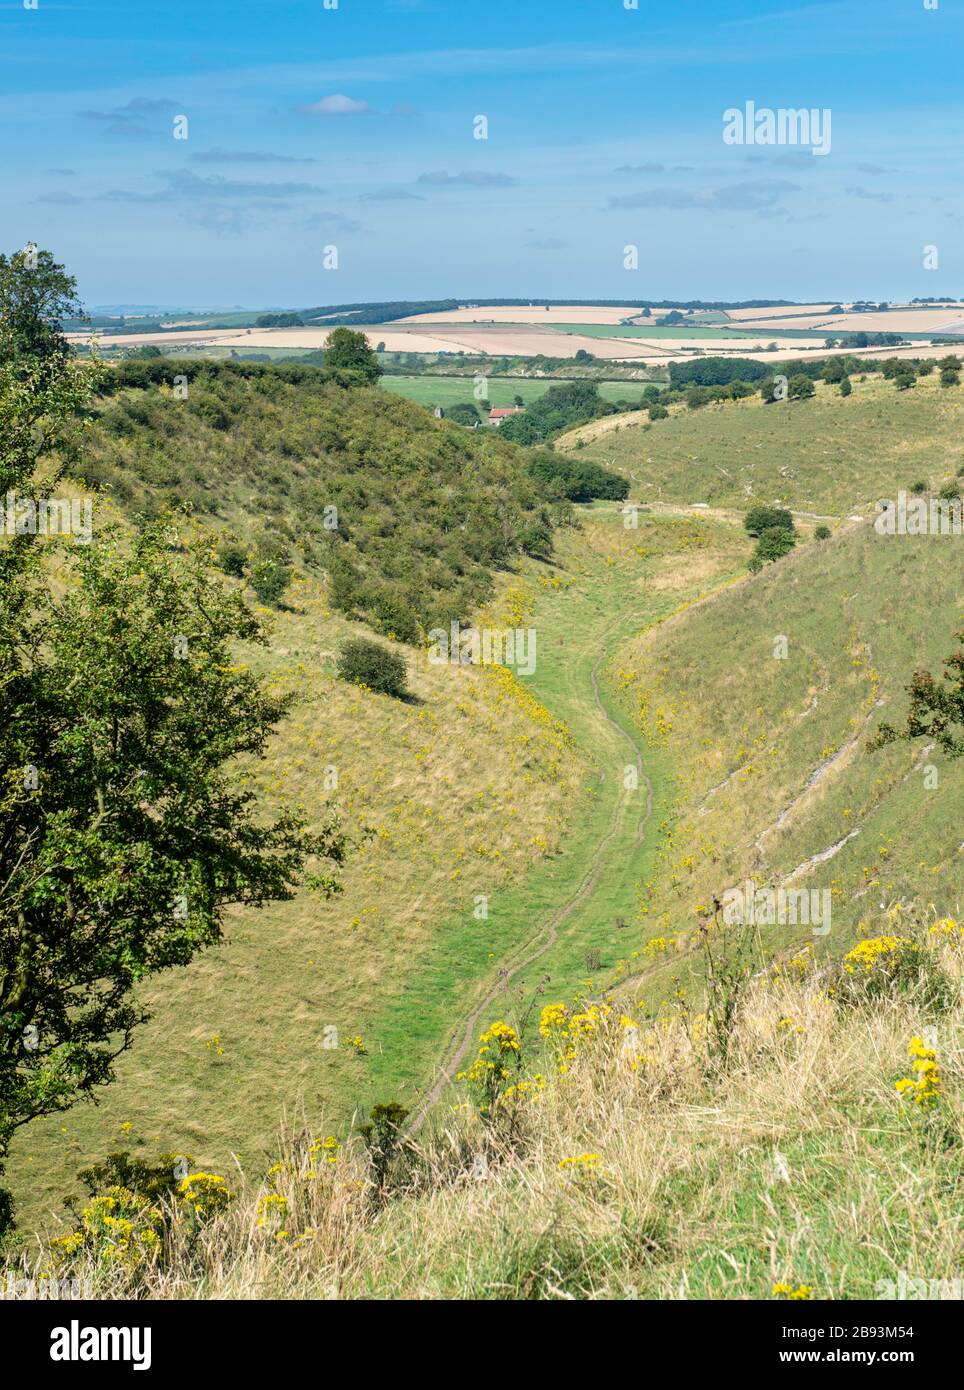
x=773, y=777
x=827, y=455
x=246, y=1031
x=405, y=509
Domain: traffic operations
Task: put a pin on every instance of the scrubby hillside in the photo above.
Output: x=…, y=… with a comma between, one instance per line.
x=407, y=514
x=827, y=455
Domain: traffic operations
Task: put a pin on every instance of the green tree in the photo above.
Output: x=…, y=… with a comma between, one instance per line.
x=36, y=294
x=760, y=519
x=936, y=708
x=800, y=387
x=349, y=350
x=846, y=388
x=123, y=836
x=368, y=663
x=775, y=542
x=123, y=833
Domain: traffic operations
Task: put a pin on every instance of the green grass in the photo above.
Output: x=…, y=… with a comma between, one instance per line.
x=465, y=794
x=769, y=755
x=826, y=455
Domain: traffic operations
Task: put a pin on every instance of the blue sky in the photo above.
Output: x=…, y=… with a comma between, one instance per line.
x=353, y=127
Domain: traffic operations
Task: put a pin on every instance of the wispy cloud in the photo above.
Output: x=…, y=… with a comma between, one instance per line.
x=333, y=220
x=218, y=156
x=337, y=105
x=392, y=195
x=440, y=178
x=128, y=120
x=868, y=196
x=763, y=196
x=185, y=186
x=632, y=169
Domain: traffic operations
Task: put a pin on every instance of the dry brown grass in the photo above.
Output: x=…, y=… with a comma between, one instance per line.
x=797, y=1163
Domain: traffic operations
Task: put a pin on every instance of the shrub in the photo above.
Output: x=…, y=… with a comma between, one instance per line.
x=800, y=388
x=269, y=579
x=367, y=663
x=822, y=533
x=232, y=558
x=887, y=966
x=774, y=543
x=395, y=618
x=760, y=519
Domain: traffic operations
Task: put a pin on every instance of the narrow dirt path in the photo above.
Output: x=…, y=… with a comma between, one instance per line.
x=548, y=933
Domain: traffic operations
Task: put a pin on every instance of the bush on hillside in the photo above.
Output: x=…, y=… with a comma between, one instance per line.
x=368, y=663
x=760, y=519
x=774, y=543
x=579, y=480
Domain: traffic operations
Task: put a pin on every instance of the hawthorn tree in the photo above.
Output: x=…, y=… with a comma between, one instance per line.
x=936, y=708
x=124, y=830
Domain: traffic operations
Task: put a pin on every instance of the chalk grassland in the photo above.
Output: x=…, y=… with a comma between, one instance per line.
x=773, y=778
x=827, y=455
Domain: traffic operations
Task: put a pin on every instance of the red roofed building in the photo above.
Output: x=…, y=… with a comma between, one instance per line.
x=497, y=415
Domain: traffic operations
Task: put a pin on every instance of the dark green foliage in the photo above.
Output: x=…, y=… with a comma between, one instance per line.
x=393, y=616
x=269, y=579
x=232, y=558
x=350, y=351
x=845, y=386
x=580, y=481
x=155, y=1182
x=822, y=533
x=536, y=541
x=465, y=413
x=773, y=543
x=36, y=294
x=658, y=412
x=425, y=510
x=279, y=321
x=558, y=409
x=716, y=371
x=800, y=387
x=369, y=663
x=383, y=1138
x=936, y=708
x=760, y=519
x=123, y=849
